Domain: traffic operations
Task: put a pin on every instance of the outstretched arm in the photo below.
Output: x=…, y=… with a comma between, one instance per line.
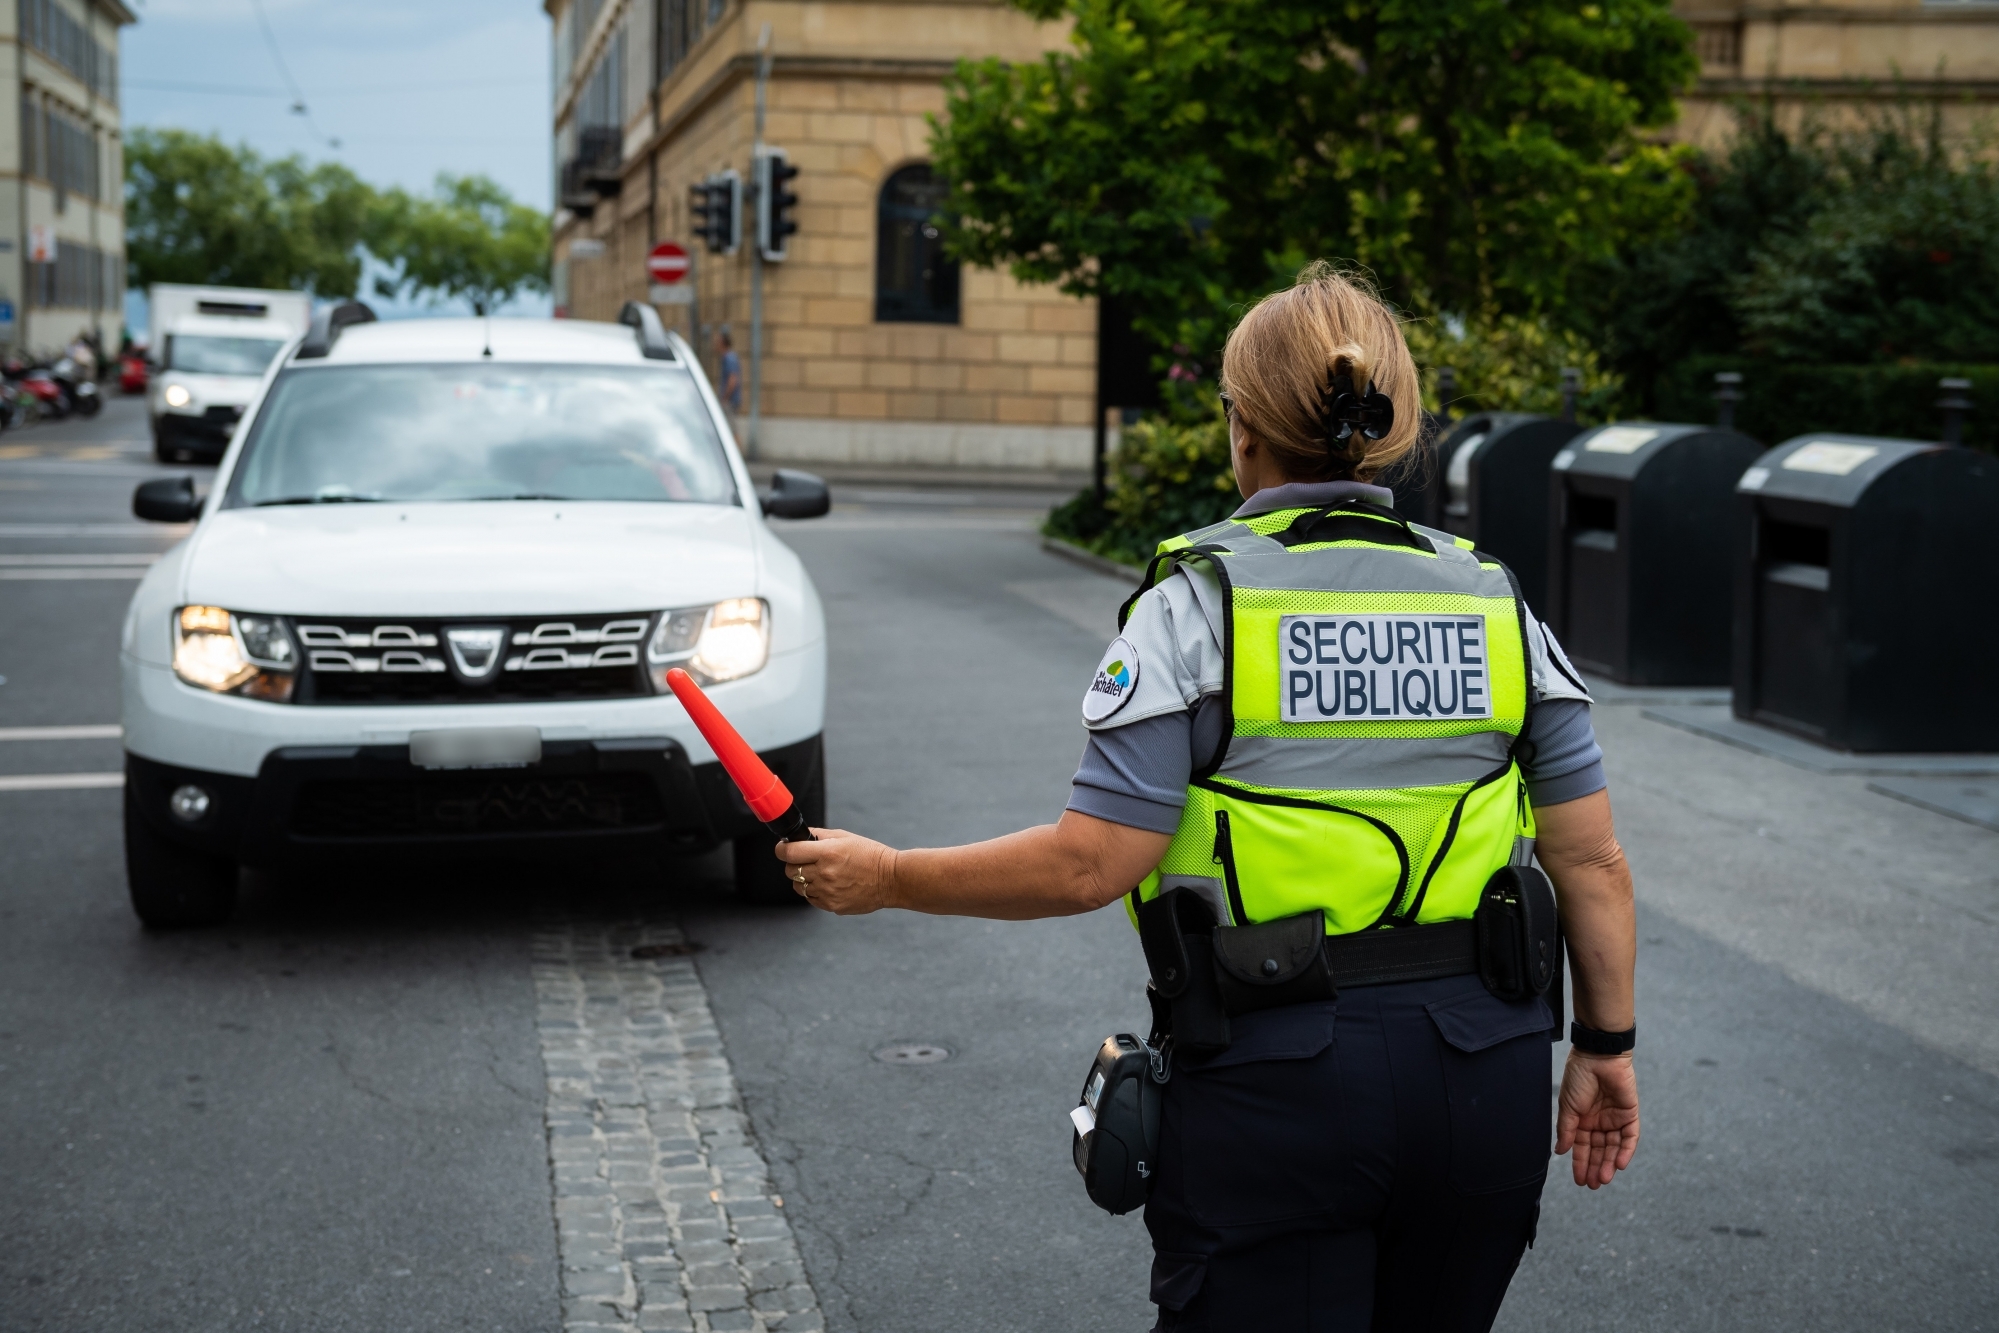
x=1598, y=1118
x=1076, y=864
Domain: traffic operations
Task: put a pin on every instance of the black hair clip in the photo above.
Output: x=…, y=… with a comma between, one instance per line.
x=1371, y=413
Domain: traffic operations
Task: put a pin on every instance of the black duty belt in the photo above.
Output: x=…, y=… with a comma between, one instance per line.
x=1205, y=973
x=1407, y=953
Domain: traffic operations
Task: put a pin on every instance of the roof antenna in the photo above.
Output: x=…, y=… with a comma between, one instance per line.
x=479, y=308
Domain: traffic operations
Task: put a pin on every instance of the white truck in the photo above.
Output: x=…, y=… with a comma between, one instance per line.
x=211, y=347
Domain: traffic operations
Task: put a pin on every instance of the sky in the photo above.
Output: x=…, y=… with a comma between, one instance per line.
x=407, y=88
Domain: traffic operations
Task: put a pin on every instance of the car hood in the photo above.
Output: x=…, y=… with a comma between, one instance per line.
x=491, y=558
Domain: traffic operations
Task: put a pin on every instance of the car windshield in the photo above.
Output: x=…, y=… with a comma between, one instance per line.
x=205, y=355
x=342, y=434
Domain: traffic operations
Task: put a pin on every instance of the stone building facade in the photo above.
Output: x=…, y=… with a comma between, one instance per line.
x=62, y=171
x=1841, y=58
x=876, y=350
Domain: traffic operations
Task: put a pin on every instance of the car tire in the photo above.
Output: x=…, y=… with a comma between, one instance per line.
x=160, y=450
x=172, y=887
x=761, y=878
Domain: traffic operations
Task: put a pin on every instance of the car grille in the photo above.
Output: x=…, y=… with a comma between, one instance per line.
x=416, y=661
x=475, y=803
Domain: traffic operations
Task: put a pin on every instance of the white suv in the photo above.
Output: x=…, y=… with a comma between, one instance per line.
x=429, y=606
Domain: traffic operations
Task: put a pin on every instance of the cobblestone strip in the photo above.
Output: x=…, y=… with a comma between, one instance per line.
x=664, y=1214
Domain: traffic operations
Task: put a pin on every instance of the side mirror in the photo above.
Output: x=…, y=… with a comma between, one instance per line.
x=168, y=500
x=795, y=495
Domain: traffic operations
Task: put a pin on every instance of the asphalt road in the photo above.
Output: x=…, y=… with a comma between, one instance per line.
x=329, y=1113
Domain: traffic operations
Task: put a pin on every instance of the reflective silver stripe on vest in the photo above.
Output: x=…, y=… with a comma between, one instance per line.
x=1211, y=887
x=1363, y=763
x=1368, y=569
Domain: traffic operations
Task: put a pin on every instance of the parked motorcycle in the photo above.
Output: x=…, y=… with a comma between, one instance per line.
x=80, y=388
x=41, y=391
x=13, y=410
x=59, y=389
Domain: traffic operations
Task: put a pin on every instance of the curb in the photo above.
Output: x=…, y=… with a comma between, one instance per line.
x=1101, y=563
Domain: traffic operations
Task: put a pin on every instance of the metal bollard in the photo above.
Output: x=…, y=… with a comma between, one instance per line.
x=1572, y=385
x=1447, y=392
x=1727, y=393
x=1955, y=403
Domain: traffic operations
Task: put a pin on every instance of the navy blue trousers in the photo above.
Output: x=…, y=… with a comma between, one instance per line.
x=1370, y=1163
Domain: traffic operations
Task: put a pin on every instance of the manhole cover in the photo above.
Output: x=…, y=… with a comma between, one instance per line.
x=913, y=1053
x=667, y=950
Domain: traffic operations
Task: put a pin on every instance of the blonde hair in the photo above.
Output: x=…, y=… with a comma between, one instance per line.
x=1287, y=350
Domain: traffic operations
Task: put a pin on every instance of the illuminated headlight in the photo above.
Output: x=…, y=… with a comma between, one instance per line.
x=177, y=395
x=726, y=641
x=234, y=654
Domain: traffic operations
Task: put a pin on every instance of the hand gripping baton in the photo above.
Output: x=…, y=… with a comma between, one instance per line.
x=769, y=799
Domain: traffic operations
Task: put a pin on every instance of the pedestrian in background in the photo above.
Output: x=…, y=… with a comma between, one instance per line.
x=1371, y=1156
x=732, y=380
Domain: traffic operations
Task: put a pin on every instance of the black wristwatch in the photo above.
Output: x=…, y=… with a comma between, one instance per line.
x=1602, y=1043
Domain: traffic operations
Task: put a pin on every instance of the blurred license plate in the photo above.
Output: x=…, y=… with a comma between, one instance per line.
x=476, y=747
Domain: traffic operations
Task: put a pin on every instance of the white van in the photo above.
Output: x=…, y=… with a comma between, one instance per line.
x=212, y=346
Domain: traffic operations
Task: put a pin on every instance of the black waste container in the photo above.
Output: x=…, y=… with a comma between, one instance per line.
x=1416, y=480
x=1867, y=579
x=1639, y=535
x=1495, y=491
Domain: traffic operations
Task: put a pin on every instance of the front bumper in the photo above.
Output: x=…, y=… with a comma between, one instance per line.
x=639, y=794
x=204, y=435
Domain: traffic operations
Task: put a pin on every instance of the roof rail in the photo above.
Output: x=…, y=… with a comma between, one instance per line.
x=326, y=327
x=652, y=334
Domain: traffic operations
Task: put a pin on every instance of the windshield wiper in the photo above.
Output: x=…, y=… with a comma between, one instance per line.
x=322, y=500
x=520, y=495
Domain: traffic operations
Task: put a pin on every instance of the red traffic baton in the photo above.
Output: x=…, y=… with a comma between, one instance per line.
x=769, y=799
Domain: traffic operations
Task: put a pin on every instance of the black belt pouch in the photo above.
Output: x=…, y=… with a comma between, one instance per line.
x=1518, y=936
x=1177, y=930
x=1273, y=963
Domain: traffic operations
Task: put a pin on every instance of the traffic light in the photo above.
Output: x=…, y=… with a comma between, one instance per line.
x=776, y=204
x=716, y=205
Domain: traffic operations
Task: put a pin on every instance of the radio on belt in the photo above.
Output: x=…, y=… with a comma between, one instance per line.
x=1116, y=1145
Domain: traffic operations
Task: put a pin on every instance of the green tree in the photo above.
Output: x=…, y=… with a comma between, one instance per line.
x=1902, y=262
x=469, y=241
x=1483, y=157
x=200, y=211
x=1876, y=243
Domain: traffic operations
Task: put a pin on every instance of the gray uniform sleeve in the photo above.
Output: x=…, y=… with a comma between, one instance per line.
x=1137, y=775
x=1138, y=759
x=1560, y=757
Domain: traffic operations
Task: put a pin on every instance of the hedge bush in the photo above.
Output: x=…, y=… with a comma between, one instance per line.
x=1170, y=472
x=1782, y=400
x=1166, y=476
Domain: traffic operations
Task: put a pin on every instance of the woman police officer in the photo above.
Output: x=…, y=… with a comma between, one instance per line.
x=1319, y=712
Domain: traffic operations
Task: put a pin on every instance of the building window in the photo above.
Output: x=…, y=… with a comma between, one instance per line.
x=48, y=28
x=915, y=281
x=60, y=149
x=82, y=277
x=681, y=25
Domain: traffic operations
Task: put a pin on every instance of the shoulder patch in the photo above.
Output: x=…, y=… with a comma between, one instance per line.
x=1117, y=676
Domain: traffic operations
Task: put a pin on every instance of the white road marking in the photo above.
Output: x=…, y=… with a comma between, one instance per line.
x=60, y=781
x=88, y=731
x=79, y=558
x=121, y=573
x=95, y=529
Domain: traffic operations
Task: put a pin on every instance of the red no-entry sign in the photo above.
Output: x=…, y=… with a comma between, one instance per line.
x=666, y=263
